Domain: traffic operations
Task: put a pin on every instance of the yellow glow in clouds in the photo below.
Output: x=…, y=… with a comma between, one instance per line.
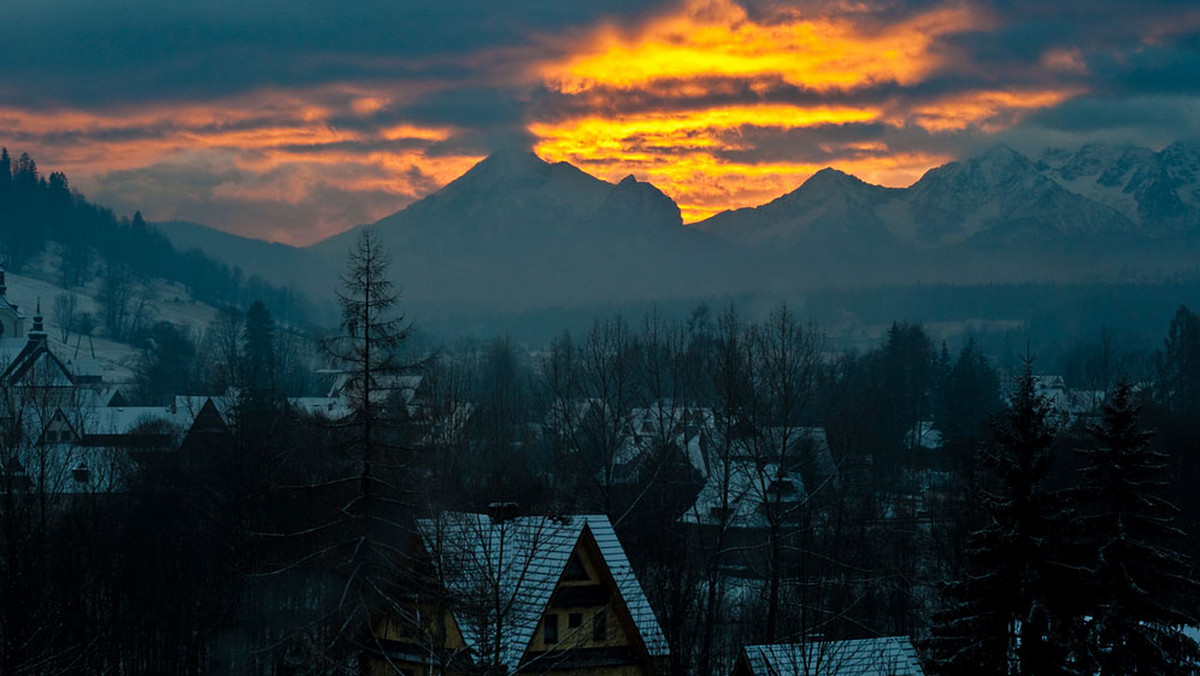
x=717, y=38
x=646, y=92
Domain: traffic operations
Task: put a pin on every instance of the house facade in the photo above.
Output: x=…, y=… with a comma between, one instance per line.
x=546, y=595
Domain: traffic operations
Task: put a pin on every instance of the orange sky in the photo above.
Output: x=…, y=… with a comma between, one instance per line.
x=684, y=147
x=717, y=107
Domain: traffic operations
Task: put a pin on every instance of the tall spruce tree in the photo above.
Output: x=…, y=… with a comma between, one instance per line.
x=1138, y=581
x=1008, y=614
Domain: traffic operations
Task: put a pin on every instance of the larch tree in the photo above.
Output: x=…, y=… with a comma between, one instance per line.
x=371, y=333
x=344, y=514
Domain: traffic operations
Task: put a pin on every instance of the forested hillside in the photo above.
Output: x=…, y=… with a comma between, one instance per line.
x=37, y=209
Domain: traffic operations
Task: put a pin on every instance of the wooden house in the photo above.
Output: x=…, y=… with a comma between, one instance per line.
x=501, y=595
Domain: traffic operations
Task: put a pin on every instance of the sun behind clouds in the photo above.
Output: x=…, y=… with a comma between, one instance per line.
x=693, y=100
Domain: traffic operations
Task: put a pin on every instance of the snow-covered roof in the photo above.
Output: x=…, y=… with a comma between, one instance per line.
x=383, y=386
x=331, y=408
x=885, y=656
x=187, y=407
x=747, y=489
x=523, y=559
x=123, y=420
x=36, y=365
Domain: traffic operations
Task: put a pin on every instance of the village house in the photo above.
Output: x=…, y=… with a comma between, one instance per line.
x=503, y=594
x=65, y=433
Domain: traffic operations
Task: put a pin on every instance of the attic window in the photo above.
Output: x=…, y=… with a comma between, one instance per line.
x=574, y=572
x=550, y=629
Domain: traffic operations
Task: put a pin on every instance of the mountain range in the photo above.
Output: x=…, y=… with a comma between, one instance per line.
x=516, y=232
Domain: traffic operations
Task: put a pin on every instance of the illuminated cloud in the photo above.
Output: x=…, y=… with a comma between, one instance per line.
x=684, y=99
x=294, y=125
x=717, y=37
x=263, y=148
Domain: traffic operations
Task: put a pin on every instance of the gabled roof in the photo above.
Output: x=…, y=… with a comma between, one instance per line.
x=34, y=356
x=749, y=487
x=885, y=656
x=523, y=559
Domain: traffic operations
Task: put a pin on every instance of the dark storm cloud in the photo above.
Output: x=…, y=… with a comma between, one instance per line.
x=77, y=52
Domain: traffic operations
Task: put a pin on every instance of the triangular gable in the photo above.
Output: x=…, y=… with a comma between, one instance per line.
x=631, y=590
x=209, y=419
x=59, y=423
x=35, y=353
x=524, y=559
x=616, y=601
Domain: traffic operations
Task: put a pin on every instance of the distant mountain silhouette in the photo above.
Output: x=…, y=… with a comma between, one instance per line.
x=516, y=232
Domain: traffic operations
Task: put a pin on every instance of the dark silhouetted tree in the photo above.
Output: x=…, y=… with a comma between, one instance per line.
x=1135, y=612
x=1008, y=615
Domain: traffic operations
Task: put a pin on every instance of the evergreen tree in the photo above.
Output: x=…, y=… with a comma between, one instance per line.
x=908, y=373
x=970, y=396
x=1179, y=365
x=1126, y=525
x=258, y=369
x=1006, y=616
x=5, y=172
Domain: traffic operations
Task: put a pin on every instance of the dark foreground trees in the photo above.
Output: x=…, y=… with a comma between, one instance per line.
x=1006, y=613
x=1136, y=581
x=1079, y=580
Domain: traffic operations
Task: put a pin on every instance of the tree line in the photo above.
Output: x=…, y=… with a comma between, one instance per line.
x=93, y=243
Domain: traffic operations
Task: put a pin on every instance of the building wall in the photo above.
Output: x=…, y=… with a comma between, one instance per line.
x=13, y=325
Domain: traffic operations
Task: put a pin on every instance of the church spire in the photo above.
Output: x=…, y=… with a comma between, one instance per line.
x=38, y=333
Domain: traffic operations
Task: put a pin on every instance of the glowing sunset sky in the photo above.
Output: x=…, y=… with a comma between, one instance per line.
x=292, y=121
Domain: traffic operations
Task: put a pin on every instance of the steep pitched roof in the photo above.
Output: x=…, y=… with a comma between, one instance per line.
x=36, y=359
x=747, y=488
x=519, y=563
x=885, y=656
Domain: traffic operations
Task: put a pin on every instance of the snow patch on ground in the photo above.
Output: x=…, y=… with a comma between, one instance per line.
x=160, y=301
